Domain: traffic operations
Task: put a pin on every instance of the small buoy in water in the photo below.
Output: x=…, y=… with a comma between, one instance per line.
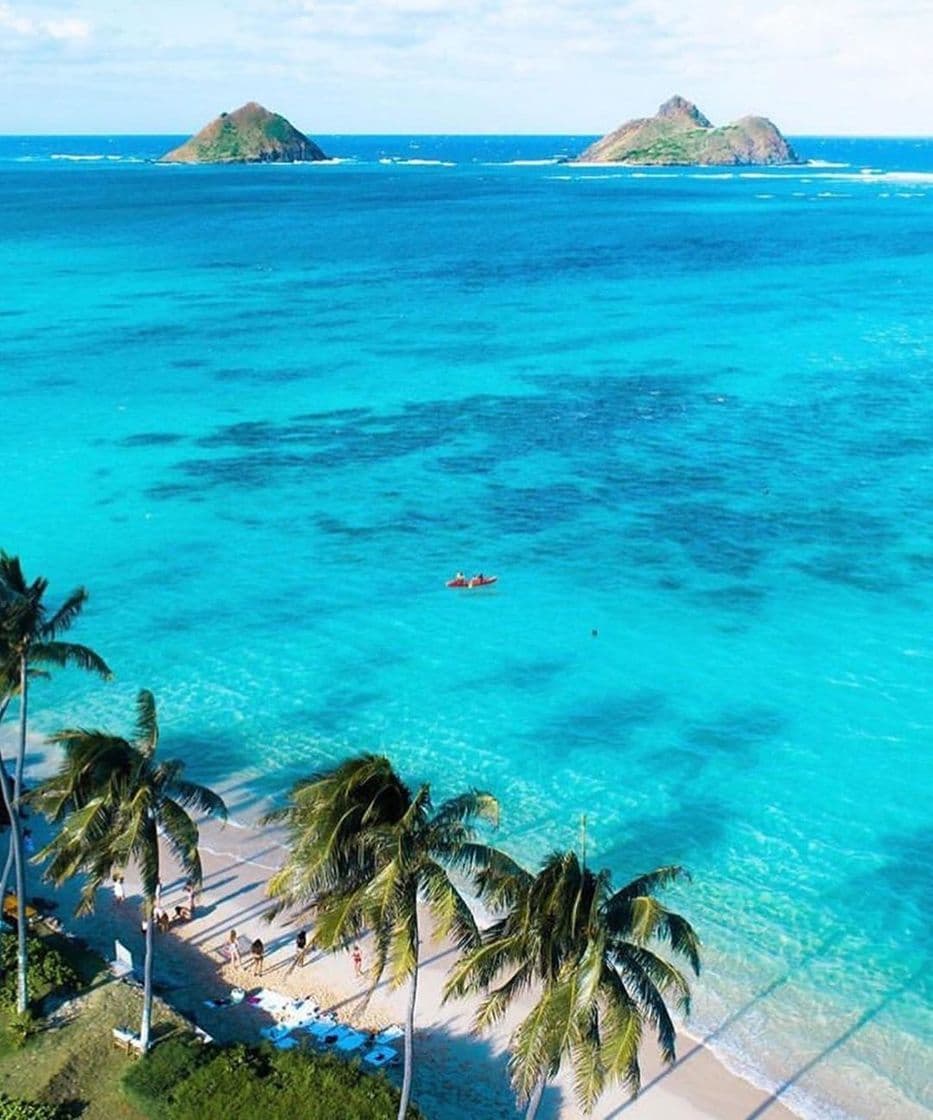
x=594, y=633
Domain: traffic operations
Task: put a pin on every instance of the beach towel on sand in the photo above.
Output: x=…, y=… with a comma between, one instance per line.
x=268, y=1000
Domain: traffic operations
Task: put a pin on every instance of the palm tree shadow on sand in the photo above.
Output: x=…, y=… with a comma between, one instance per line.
x=465, y=1077
x=837, y=1043
x=863, y=1020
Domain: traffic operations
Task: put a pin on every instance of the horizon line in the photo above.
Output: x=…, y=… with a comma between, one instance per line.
x=321, y=132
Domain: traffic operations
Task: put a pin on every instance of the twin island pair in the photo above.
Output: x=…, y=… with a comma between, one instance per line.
x=678, y=134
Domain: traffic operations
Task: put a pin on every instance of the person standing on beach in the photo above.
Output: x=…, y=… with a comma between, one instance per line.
x=119, y=889
x=357, y=960
x=233, y=948
x=301, y=947
x=257, y=952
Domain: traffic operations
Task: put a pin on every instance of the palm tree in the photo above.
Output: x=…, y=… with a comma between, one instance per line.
x=364, y=851
x=112, y=800
x=584, y=952
x=29, y=638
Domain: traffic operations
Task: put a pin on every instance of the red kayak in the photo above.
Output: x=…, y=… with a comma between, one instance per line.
x=470, y=582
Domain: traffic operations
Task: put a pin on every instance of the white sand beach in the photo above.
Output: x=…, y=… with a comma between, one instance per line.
x=457, y=1076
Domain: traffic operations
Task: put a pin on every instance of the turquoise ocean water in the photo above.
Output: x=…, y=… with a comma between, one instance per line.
x=263, y=413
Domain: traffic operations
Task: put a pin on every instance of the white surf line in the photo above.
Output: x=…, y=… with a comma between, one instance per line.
x=231, y=857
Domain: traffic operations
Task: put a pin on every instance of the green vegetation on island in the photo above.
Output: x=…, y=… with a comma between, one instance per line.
x=679, y=134
x=250, y=134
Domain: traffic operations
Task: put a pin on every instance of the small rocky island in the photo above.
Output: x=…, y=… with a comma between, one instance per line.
x=251, y=134
x=680, y=134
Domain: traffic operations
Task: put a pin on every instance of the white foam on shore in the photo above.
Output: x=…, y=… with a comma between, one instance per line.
x=398, y=161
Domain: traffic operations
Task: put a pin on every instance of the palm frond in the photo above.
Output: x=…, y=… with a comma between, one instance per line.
x=473, y=805
x=502, y=881
x=200, y=798
x=477, y=969
x=64, y=654
x=649, y=883
x=448, y=908
x=649, y=999
x=66, y=614
x=589, y=1070
x=621, y=1034
x=181, y=834
x=147, y=722
x=12, y=580
x=532, y=1056
x=499, y=999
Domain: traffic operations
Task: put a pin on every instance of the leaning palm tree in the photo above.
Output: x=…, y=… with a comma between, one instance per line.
x=585, y=952
x=112, y=799
x=365, y=851
x=29, y=637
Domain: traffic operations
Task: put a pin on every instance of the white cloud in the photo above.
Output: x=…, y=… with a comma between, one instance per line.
x=59, y=27
x=67, y=28
x=560, y=65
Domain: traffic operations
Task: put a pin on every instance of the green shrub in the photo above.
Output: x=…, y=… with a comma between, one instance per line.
x=48, y=970
x=22, y=1027
x=148, y=1083
x=243, y=1083
x=15, y=1108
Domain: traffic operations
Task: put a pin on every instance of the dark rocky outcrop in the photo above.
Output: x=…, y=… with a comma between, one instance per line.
x=251, y=134
x=680, y=134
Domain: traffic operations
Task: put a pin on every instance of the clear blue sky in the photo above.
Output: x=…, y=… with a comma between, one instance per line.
x=854, y=67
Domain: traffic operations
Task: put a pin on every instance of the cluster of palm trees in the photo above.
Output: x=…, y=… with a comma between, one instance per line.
x=110, y=798
x=366, y=852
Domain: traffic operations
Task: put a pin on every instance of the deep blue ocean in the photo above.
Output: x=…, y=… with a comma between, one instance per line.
x=686, y=416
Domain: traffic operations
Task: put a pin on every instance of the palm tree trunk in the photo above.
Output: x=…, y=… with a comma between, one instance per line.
x=23, y=704
x=146, y=1025
x=16, y=851
x=16, y=839
x=8, y=866
x=534, y=1100
x=409, y=1040
x=7, y=801
x=8, y=805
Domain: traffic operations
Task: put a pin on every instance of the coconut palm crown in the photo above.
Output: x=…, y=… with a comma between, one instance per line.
x=365, y=850
x=111, y=799
x=583, y=951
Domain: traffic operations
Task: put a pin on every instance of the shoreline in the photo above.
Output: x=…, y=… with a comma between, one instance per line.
x=457, y=1076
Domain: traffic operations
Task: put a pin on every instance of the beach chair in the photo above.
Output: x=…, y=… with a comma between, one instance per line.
x=286, y=1043
x=351, y=1041
x=381, y=1056
x=323, y=1025
x=126, y=1040
x=327, y=1034
x=300, y=1013
x=389, y=1034
x=122, y=964
x=273, y=1003
x=274, y=1034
